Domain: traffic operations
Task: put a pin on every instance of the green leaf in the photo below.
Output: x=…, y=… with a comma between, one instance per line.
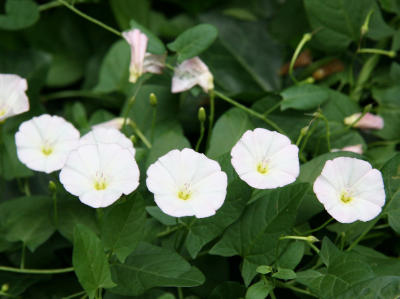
x=255, y=236
x=19, y=14
x=27, y=219
x=259, y=290
x=202, y=231
x=283, y=273
x=90, y=262
x=227, y=131
x=79, y=114
x=304, y=97
x=150, y=266
x=154, y=45
x=339, y=22
x=263, y=269
x=123, y=226
x=293, y=255
x=114, y=71
x=156, y=213
x=127, y=10
x=193, y=41
x=258, y=54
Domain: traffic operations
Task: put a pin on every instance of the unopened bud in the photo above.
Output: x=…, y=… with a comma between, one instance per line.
x=304, y=130
x=5, y=287
x=312, y=239
x=52, y=187
x=153, y=100
x=364, y=27
x=133, y=139
x=202, y=114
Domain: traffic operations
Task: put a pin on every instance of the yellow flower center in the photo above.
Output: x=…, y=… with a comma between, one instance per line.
x=262, y=167
x=100, y=182
x=345, y=197
x=47, y=150
x=2, y=112
x=185, y=193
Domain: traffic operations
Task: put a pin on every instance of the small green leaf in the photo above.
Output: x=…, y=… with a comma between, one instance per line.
x=19, y=14
x=193, y=41
x=284, y=274
x=90, y=262
x=263, y=269
x=259, y=290
x=304, y=97
x=123, y=226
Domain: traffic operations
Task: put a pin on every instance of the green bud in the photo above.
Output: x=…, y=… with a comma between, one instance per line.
x=312, y=239
x=202, y=114
x=368, y=108
x=264, y=269
x=364, y=27
x=153, y=100
x=5, y=287
x=304, y=130
x=133, y=139
x=52, y=187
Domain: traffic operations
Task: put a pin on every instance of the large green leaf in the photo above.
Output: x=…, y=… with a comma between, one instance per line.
x=150, y=266
x=304, y=97
x=27, y=219
x=123, y=226
x=193, y=41
x=90, y=262
x=255, y=236
x=227, y=131
x=19, y=14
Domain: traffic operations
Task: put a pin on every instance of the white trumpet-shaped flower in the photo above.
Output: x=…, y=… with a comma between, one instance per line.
x=350, y=189
x=192, y=72
x=13, y=99
x=108, y=136
x=141, y=61
x=265, y=159
x=100, y=170
x=186, y=183
x=44, y=142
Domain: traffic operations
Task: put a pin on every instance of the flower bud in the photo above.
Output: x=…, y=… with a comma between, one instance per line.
x=312, y=239
x=304, y=130
x=133, y=139
x=368, y=121
x=202, y=114
x=115, y=123
x=5, y=287
x=153, y=100
x=52, y=187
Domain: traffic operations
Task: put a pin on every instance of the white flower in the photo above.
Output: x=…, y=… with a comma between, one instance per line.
x=100, y=170
x=186, y=183
x=108, y=136
x=142, y=62
x=191, y=72
x=350, y=189
x=265, y=159
x=13, y=99
x=115, y=123
x=44, y=142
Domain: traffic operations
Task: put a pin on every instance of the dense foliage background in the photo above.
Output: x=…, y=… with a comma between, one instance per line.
x=79, y=70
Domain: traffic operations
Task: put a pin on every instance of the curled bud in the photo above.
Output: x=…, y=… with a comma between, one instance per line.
x=153, y=100
x=202, y=114
x=52, y=187
x=367, y=122
x=5, y=287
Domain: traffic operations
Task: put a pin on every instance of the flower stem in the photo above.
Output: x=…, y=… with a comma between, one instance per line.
x=36, y=271
x=153, y=123
x=49, y=5
x=273, y=108
x=22, y=264
x=306, y=38
x=319, y=227
x=74, y=295
x=249, y=111
x=296, y=289
x=328, y=131
x=140, y=134
x=202, y=130
x=211, y=117
x=89, y=18
x=390, y=54
x=180, y=293
x=168, y=231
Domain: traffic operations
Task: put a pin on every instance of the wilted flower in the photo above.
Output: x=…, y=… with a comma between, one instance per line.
x=350, y=189
x=368, y=122
x=13, y=99
x=186, y=183
x=142, y=62
x=100, y=173
x=357, y=148
x=265, y=159
x=44, y=142
x=115, y=123
x=191, y=72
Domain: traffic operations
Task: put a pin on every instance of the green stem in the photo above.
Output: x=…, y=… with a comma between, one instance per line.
x=328, y=131
x=65, y=94
x=249, y=111
x=131, y=101
x=306, y=38
x=211, y=116
x=272, y=294
x=23, y=250
x=140, y=134
x=308, y=135
x=55, y=209
x=295, y=289
x=168, y=231
x=319, y=227
x=36, y=271
x=153, y=123
x=89, y=18
x=27, y=189
x=49, y=5
x=74, y=295
x=202, y=130
x=180, y=293
x=272, y=109
x=390, y=54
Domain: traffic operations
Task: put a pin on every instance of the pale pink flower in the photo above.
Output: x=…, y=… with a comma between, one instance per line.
x=142, y=62
x=115, y=123
x=13, y=99
x=368, y=122
x=357, y=148
x=192, y=72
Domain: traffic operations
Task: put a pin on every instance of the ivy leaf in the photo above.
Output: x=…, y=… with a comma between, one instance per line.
x=304, y=97
x=90, y=262
x=19, y=14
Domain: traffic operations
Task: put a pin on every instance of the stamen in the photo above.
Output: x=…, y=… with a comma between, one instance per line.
x=185, y=192
x=345, y=197
x=262, y=167
x=100, y=182
x=47, y=150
